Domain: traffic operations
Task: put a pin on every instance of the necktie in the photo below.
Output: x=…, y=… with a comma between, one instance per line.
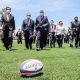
x=41, y=18
x=28, y=22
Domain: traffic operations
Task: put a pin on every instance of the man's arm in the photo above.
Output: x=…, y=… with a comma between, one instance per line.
x=46, y=23
x=13, y=23
x=71, y=25
x=2, y=22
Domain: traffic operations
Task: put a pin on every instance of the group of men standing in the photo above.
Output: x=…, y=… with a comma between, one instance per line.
x=40, y=29
x=29, y=28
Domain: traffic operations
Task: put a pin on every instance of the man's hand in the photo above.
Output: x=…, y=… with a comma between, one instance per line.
x=49, y=33
x=34, y=34
x=0, y=28
x=14, y=32
x=45, y=24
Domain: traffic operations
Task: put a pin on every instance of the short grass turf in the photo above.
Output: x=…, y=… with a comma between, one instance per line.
x=59, y=64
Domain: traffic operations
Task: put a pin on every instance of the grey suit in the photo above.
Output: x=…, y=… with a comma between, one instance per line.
x=28, y=28
x=42, y=29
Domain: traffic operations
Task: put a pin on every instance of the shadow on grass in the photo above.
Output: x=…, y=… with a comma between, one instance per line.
x=9, y=50
x=46, y=49
x=14, y=49
x=40, y=74
x=76, y=48
x=40, y=50
x=29, y=49
x=60, y=48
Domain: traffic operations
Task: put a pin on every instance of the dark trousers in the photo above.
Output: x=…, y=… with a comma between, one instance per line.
x=59, y=40
x=41, y=39
x=19, y=40
x=77, y=39
x=28, y=40
x=52, y=40
x=65, y=40
x=38, y=39
x=7, y=39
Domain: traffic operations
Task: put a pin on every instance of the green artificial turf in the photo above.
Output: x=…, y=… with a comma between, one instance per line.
x=59, y=64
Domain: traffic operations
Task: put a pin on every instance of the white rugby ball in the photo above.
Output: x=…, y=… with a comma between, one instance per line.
x=31, y=67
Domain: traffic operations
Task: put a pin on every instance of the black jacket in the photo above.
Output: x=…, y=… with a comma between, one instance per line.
x=42, y=24
x=26, y=27
x=8, y=25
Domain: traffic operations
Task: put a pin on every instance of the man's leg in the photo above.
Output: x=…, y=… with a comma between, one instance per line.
x=38, y=38
x=21, y=40
x=27, y=43
x=30, y=43
x=76, y=41
x=5, y=39
x=10, y=41
x=26, y=40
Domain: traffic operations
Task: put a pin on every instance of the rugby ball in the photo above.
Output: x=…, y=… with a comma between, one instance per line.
x=31, y=67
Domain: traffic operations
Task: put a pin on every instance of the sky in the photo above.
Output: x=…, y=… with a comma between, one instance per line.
x=56, y=10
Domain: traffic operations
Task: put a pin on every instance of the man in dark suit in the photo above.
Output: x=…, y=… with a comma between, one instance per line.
x=8, y=24
x=41, y=28
x=28, y=28
x=19, y=36
x=75, y=26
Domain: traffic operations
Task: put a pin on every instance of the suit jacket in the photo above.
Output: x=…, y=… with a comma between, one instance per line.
x=75, y=26
x=42, y=24
x=26, y=27
x=8, y=25
x=19, y=34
